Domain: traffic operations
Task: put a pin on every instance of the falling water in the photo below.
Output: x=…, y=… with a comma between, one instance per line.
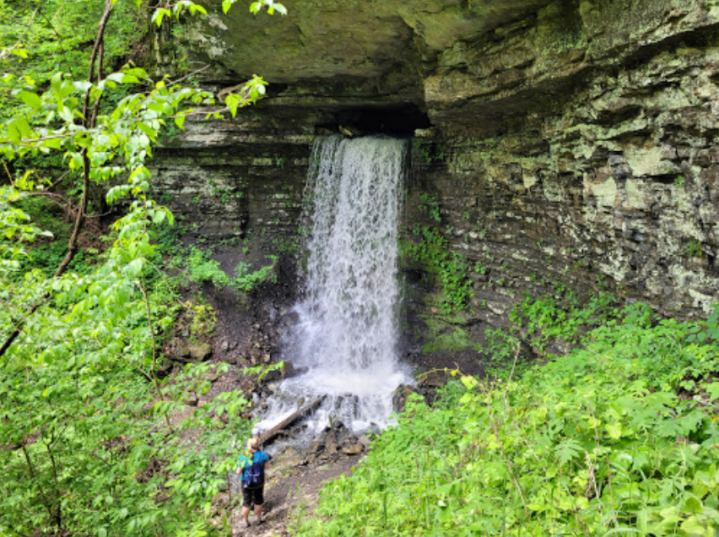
x=347, y=331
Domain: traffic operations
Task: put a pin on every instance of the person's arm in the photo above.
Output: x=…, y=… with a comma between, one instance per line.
x=240, y=466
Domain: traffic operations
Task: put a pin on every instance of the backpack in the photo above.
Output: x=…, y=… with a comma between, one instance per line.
x=255, y=476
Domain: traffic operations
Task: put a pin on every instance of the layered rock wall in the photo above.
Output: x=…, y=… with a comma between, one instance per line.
x=567, y=143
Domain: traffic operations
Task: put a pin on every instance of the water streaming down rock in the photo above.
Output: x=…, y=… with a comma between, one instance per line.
x=347, y=331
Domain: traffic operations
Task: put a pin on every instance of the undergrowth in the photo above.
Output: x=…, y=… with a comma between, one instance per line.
x=618, y=437
x=202, y=268
x=429, y=247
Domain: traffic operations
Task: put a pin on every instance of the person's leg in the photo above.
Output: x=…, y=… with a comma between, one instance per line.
x=259, y=503
x=246, y=503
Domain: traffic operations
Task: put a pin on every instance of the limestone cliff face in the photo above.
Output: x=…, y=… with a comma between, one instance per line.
x=567, y=141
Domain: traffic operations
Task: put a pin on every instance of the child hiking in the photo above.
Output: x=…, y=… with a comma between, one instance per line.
x=252, y=466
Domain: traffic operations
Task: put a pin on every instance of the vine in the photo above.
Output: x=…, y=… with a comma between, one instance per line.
x=430, y=248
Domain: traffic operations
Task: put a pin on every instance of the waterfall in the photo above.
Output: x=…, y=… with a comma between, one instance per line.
x=346, y=335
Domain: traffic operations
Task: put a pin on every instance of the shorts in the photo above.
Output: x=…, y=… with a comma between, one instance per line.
x=252, y=496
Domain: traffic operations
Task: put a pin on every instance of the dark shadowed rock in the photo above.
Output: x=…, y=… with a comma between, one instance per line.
x=163, y=367
x=400, y=396
x=433, y=379
x=282, y=373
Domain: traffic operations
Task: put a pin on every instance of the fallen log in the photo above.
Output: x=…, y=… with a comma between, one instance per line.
x=278, y=429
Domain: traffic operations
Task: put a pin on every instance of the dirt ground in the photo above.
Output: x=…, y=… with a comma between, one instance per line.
x=289, y=497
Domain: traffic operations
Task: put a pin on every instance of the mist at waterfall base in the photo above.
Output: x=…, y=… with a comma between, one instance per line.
x=346, y=332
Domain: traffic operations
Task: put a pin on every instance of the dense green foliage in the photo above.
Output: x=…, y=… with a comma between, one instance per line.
x=620, y=437
x=428, y=246
x=85, y=430
x=57, y=36
x=92, y=440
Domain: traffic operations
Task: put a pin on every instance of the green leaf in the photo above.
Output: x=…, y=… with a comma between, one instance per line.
x=233, y=101
x=614, y=430
x=52, y=143
x=123, y=78
x=469, y=382
x=568, y=450
x=622, y=531
x=134, y=268
x=14, y=133
x=66, y=114
x=21, y=52
x=31, y=99
x=693, y=527
x=713, y=390
x=144, y=127
x=159, y=14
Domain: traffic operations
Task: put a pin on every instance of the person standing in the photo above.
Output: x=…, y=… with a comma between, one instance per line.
x=251, y=467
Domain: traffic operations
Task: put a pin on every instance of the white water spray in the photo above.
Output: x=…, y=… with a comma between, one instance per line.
x=347, y=332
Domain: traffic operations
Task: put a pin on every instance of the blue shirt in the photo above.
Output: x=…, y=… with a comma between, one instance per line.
x=244, y=463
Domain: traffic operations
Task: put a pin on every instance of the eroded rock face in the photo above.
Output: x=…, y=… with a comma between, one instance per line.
x=353, y=39
x=567, y=143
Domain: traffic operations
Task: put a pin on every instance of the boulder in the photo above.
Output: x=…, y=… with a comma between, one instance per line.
x=177, y=349
x=185, y=351
x=400, y=396
x=199, y=351
x=289, y=458
x=328, y=440
x=286, y=371
x=286, y=322
x=433, y=379
x=354, y=449
x=365, y=441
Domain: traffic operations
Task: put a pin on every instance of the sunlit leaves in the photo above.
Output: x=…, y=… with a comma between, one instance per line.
x=249, y=94
x=270, y=5
x=159, y=14
x=227, y=4
x=179, y=7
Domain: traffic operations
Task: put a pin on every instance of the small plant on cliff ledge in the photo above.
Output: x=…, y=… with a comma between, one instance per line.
x=548, y=319
x=201, y=268
x=428, y=155
x=247, y=281
x=429, y=247
x=693, y=249
x=430, y=205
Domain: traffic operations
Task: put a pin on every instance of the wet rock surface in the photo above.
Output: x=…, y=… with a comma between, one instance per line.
x=569, y=145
